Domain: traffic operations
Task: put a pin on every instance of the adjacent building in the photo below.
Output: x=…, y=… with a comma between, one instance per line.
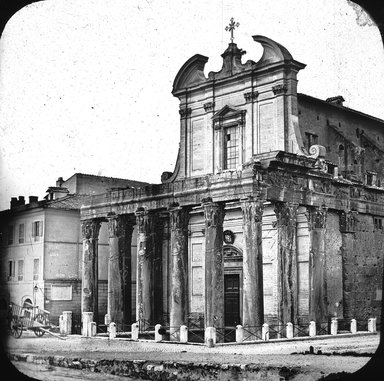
x=41, y=246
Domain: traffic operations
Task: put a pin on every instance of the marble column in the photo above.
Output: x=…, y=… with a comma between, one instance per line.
x=253, y=296
x=214, y=264
x=89, y=294
x=120, y=229
x=145, y=265
x=286, y=214
x=317, y=280
x=179, y=218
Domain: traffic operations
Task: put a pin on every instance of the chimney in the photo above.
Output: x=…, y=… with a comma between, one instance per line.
x=59, y=182
x=33, y=199
x=21, y=200
x=337, y=101
x=14, y=202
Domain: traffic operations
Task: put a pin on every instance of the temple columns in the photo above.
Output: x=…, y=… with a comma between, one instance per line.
x=253, y=297
x=120, y=268
x=214, y=264
x=148, y=299
x=179, y=218
x=317, y=280
x=286, y=214
x=89, y=294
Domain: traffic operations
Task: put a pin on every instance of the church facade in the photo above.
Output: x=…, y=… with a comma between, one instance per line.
x=273, y=212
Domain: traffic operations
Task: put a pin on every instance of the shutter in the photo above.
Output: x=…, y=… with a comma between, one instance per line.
x=41, y=229
x=33, y=229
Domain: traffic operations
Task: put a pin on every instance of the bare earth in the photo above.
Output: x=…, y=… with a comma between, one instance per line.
x=340, y=354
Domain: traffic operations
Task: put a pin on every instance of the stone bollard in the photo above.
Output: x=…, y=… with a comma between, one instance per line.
x=112, y=330
x=135, y=331
x=353, y=326
x=265, y=332
x=183, y=334
x=312, y=328
x=372, y=325
x=239, y=334
x=92, y=328
x=158, y=336
x=67, y=321
x=107, y=319
x=334, y=327
x=61, y=325
x=210, y=336
x=87, y=319
x=289, y=331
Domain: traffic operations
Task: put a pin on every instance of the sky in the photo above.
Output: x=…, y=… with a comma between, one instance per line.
x=85, y=85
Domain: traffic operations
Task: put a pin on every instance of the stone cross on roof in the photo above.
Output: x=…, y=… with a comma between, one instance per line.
x=230, y=28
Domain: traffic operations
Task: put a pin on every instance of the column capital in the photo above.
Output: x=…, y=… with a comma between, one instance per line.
x=213, y=212
x=179, y=217
x=316, y=217
x=90, y=228
x=252, y=208
x=348, y=221
x=118, y=224
x=286, y=213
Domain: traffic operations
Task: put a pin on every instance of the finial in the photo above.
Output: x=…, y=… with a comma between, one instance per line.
x=230, y=28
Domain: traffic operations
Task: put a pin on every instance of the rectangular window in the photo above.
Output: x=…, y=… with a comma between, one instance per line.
x=61, y=292
x=20, y=269
x=378, y=223
x=36, y=268
x=37, y=230
x=10, y=234
x=11, y=270
x=311, y=139
x=21, y=233
x=231, y=148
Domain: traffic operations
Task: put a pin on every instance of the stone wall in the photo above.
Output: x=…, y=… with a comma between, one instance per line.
x=363, y=269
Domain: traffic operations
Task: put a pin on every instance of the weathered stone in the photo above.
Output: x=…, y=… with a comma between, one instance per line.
x=253, y=297
x=214, y=264
x=120, y=268
x=90, y=232
x=179, y=270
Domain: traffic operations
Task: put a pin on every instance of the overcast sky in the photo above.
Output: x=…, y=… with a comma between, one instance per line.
x=85, y=86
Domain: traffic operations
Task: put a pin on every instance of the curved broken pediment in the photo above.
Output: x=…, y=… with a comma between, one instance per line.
x=273, y=52
x=191, y=73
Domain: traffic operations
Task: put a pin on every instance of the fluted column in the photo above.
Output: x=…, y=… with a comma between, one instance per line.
x=120, y=268
x=179, y=218
x=89, y=294
x=286, y=214
x=317, y=280
x=253, y=296
x=214, y=264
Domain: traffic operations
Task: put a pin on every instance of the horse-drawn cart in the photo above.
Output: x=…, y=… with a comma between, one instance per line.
x=28, y=317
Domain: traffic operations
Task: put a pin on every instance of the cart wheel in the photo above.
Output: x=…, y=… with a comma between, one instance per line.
x=16, y=327
x=38, y=332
